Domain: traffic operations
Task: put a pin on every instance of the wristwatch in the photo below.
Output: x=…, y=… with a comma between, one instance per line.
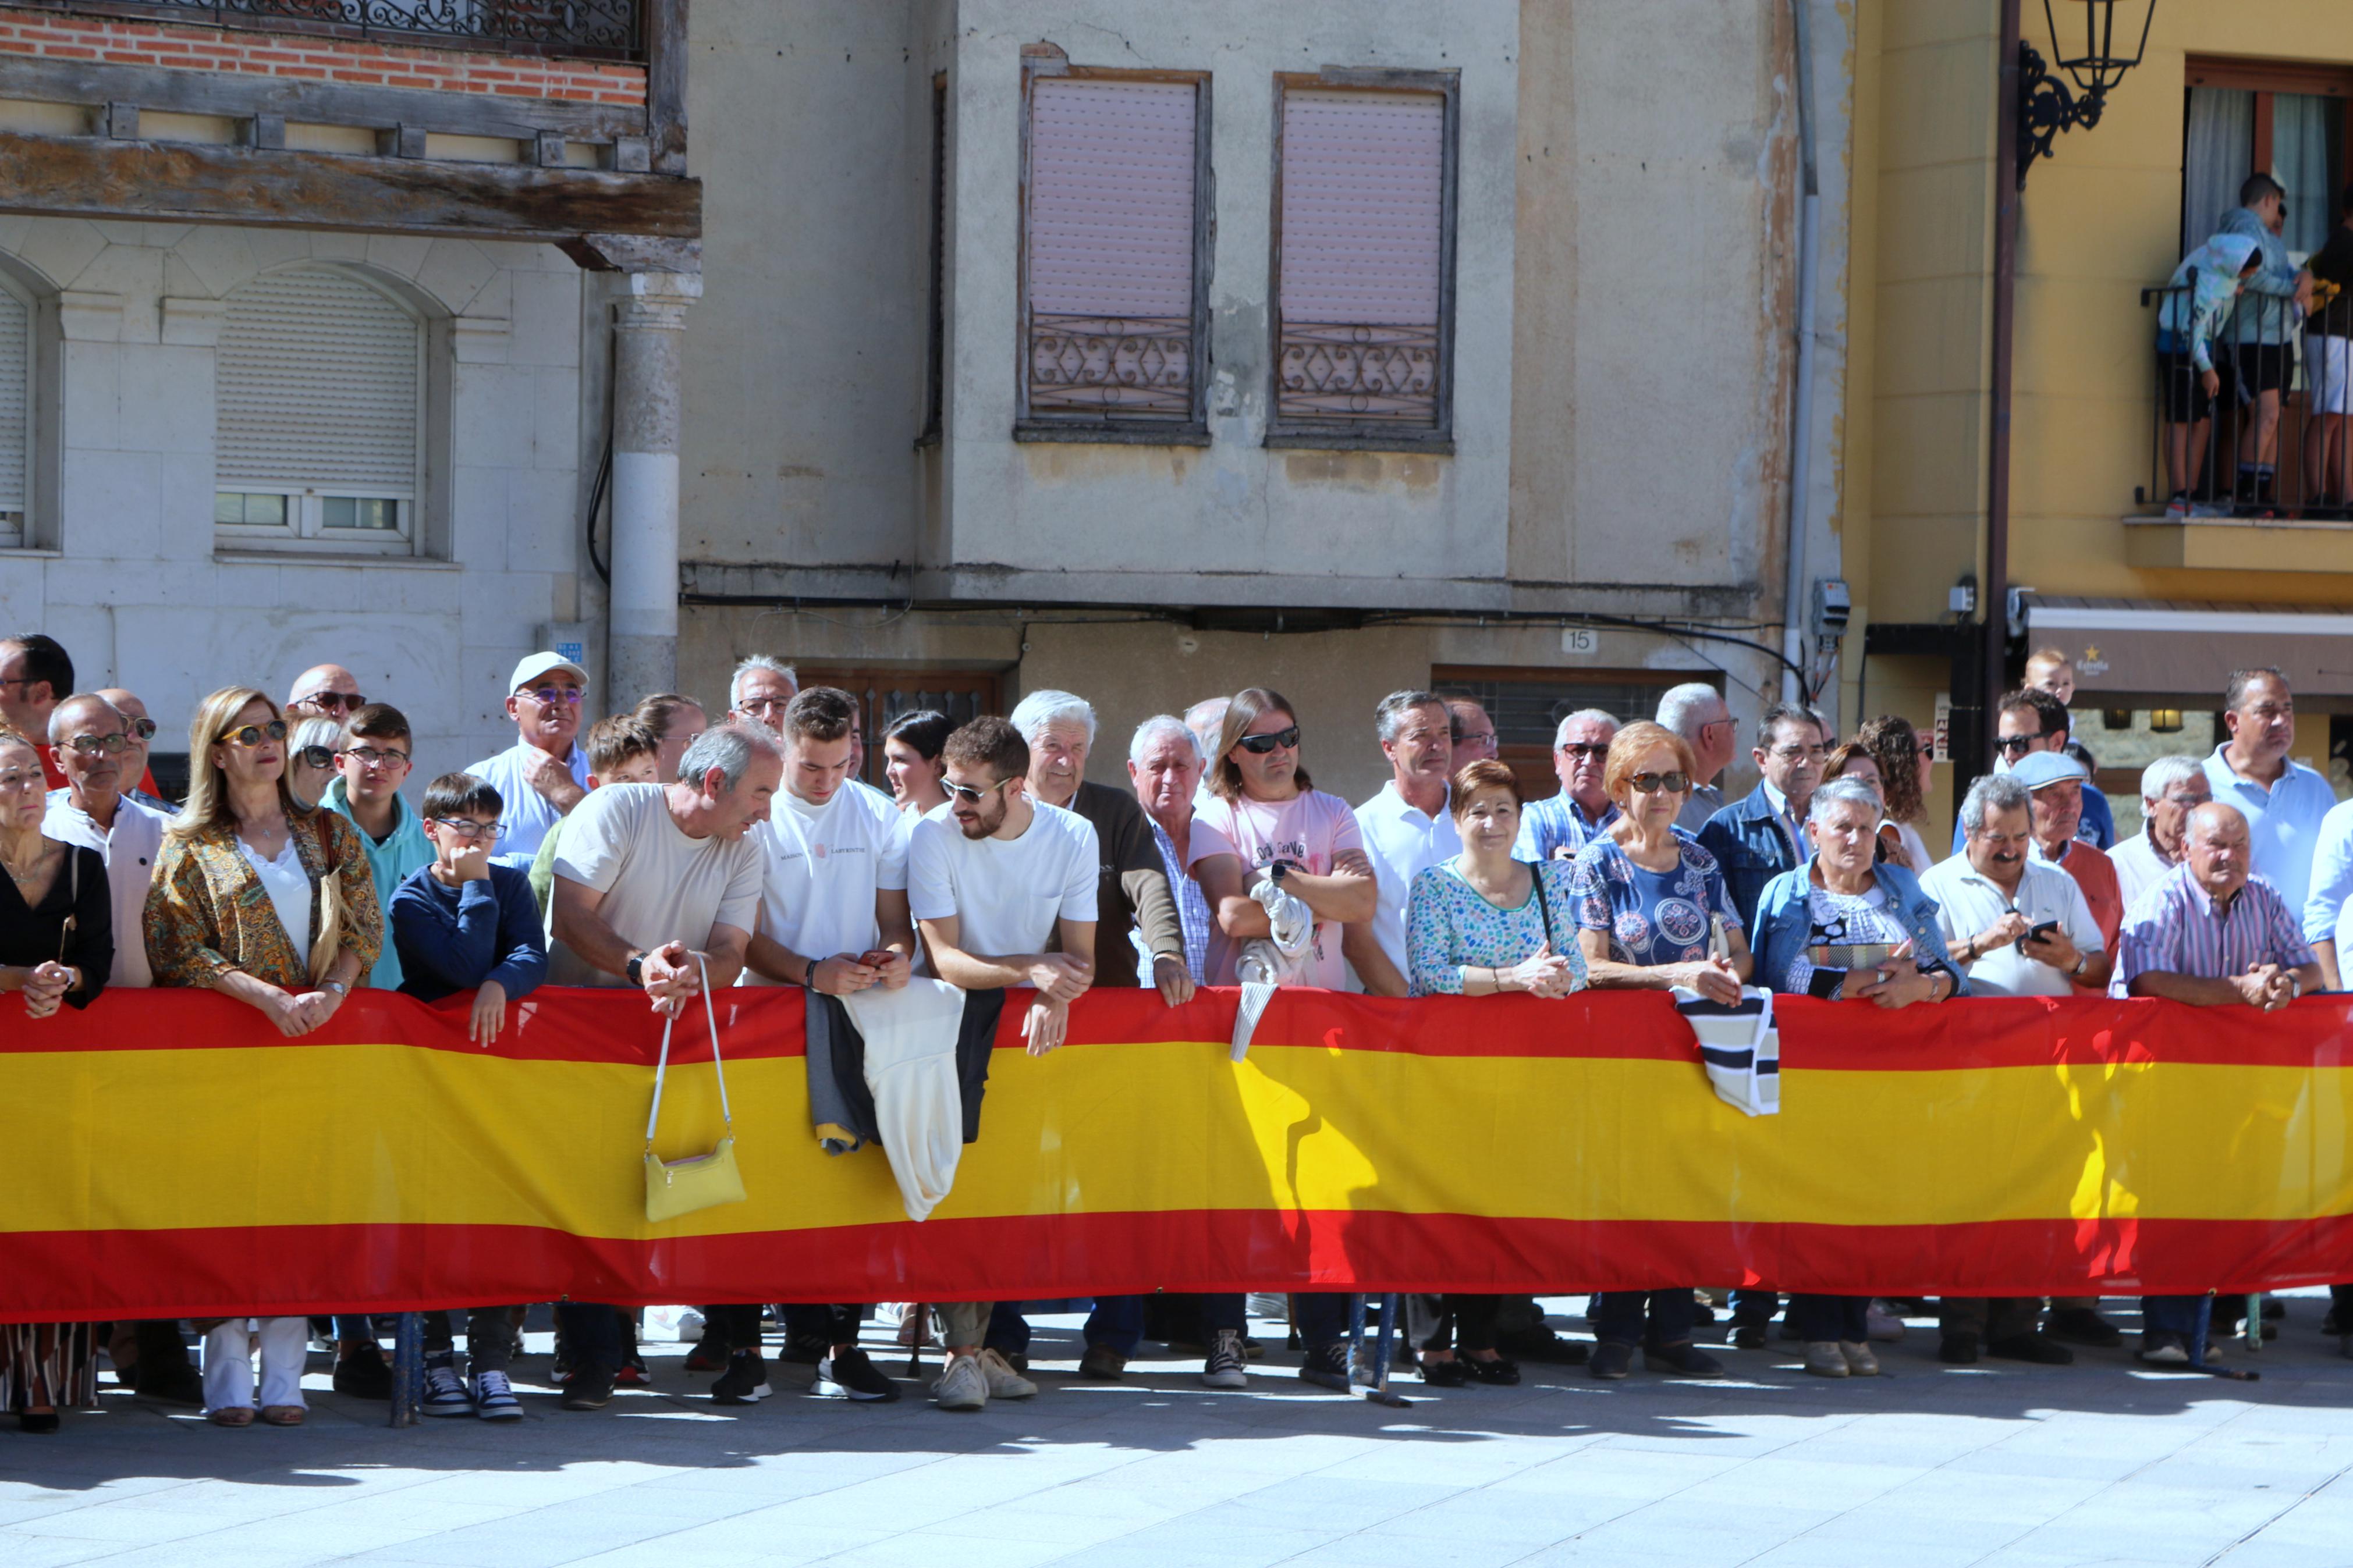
x=2081, y=960
x=1276, y=873
x=636, y=969
x=337, y=987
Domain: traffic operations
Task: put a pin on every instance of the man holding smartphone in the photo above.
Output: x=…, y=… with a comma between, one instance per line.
x=833, y=917
x=2018, y=926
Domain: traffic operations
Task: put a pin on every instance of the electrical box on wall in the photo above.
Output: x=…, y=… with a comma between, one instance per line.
x=570, y=639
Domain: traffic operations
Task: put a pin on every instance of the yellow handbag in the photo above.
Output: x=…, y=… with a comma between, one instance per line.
x=676, y=1187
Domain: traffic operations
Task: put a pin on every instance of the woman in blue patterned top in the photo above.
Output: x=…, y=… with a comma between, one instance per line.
x=1649, y=902
x=1481, y=924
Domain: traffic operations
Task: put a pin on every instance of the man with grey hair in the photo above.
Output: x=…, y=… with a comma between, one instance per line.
x=99, y=810
x=761, y=689
x=1698, y=713
x=1406, y=827
x=2170, y=789
x=1165, y=764
x=657, y=888
x=1205, y=719
x=1557, y=826
x=1132, y=893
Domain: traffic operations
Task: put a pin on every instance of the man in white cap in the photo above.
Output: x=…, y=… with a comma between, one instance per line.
x=544, y=774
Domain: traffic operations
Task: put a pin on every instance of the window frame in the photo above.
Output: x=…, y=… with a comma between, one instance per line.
x=303, y=532
x=2263, y=78
x=1193, y=429
x=23, y=534
x=1365, y=435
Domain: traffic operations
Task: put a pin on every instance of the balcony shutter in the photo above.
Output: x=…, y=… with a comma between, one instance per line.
x=1363, y=185
x=1111, y=247
x=16, y=405
x=317, y=382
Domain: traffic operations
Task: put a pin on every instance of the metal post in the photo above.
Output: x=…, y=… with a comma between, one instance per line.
x=1383, y=1353
x=408, y=1370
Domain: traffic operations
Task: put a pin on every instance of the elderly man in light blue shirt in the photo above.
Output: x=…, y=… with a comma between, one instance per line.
x=545, y=773
x=2283, y=802
x=1557, y=826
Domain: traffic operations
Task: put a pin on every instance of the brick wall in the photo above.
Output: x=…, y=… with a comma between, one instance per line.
x=321, y=59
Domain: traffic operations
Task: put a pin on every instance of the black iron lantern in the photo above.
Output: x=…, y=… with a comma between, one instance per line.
x=2090, y=55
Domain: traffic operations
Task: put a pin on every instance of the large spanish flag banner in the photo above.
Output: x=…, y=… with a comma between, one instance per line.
x=168, y=1155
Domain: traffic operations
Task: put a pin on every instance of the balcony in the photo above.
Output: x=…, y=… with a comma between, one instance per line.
x=588, y=29
x=2284, y=400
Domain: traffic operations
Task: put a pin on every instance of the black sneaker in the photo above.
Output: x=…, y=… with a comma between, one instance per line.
x=587, y=1389
x=363, y=1374
x=1326, y=1366
x=709, y=1353
x=1957, y=1349
x=2084, y=1326
x=1747, y=1337
x=805, y=1350
x=1541, y=1344
x=745, y=1381
x=849, y=1375
x=173, y=1381
x=1611, y=1361
x=2041, y=1349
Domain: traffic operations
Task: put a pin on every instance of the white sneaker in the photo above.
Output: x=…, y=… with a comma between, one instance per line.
x=1004, y=1383
x=494, y=1397
x=962, y=1385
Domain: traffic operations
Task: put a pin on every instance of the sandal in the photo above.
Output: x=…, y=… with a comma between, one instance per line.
x=1501, y=1370
x=231, y=1415
x=283, y=1414
x=1445, y=1374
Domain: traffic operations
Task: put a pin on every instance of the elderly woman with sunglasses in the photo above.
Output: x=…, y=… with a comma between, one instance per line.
x=271, y=902
x=1653, y=913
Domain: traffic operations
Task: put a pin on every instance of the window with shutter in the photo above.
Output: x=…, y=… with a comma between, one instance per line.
x=1364, y=258
x=320, y=386
x=1113, y=262
x=15, y=413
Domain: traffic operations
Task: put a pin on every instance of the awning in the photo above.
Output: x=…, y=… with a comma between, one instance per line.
x=2189, y=649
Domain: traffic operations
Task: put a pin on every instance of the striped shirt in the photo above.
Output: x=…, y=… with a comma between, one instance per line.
x=1192, y=910
x=2175, y=928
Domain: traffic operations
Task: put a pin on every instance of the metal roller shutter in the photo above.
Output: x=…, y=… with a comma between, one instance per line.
x=15, y=406
x=317, y=382
x=1110, y=252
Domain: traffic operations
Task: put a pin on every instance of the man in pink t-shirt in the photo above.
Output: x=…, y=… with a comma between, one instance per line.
x=1262, y=813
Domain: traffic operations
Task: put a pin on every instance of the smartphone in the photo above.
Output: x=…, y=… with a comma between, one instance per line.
x=2036, y=934
x=875, y=958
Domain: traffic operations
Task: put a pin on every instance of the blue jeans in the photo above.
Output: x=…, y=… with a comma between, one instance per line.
x=1321, y=1317
x=1754, y=1308
x=592, y=1332
x=2169, y=1315
x=1116, y=1324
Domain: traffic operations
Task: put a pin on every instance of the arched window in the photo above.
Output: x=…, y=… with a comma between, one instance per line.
x=16, y=414
x=320, y=386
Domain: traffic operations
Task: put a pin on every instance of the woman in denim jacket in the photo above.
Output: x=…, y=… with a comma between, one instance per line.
x=1839, y=899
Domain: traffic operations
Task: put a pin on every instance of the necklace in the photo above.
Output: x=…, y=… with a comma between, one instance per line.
x=22, y=875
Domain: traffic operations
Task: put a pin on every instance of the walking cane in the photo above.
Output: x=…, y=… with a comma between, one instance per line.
x=1377, y=1374
x=2197, y=1362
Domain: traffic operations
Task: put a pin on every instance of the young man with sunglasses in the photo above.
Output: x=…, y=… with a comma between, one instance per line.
x=545, y=773
x=1557, y=826
x=461, y=923
x=369, y=770
x=1002, y=889
x=2032, y=719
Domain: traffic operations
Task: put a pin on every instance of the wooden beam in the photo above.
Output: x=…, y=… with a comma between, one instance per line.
x=236, y=96
x=633, y=253
x=665, y=22
x=76, y=176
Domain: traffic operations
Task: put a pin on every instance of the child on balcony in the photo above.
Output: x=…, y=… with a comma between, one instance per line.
x=2197, y=300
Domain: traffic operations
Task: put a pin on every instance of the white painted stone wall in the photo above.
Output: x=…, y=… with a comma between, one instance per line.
x=130, y=579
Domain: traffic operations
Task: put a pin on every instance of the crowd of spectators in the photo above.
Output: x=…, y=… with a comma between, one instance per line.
x=671, y=850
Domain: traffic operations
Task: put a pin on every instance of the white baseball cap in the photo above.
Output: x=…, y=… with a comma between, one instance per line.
x=538, y=665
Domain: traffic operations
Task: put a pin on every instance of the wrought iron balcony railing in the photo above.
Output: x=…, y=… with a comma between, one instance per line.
x=595, y=29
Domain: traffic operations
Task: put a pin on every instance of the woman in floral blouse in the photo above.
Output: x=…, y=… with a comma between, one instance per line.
x=1475, y=925
x=261, y=898
x=1649, y=902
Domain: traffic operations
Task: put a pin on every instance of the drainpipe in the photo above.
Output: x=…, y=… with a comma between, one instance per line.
x=1995, y=600
x=1802, y=424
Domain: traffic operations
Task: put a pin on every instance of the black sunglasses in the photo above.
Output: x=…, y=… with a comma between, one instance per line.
x=2013, y=745
x=316, y=756
x=1259, y=745
x=1653, y=784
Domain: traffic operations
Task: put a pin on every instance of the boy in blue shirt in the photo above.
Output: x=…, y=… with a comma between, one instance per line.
x=463, y=923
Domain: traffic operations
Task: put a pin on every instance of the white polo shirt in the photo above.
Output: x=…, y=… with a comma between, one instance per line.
x=1967, y=902
x=822, y=867
x=131, y=850
x=1401, y=841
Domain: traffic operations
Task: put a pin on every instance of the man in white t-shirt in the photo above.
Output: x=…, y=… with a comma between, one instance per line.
x=656, y=887
x=1002, y=889
x=833, y=917
x=1263, y=822
x=2018, y=926
x=1406, y=828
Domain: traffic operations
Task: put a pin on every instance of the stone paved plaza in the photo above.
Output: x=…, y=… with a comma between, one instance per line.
x=2104, y=1463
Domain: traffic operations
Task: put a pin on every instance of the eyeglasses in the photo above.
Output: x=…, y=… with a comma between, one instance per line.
x=469, y=830
x=967, y=792
x=763, y=704
x=369, y=757
x=144, y=728
x=335, y=699
x=1588, y=750
x=1799, y=754
x=254, y=735
x=2017, y=745
x=101, y=745
x=1259, y=745
x=1654, y=783
x=316, y=756
x=549, y=695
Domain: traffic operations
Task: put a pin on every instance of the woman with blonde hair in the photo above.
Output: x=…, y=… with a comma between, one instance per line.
x=271, y=902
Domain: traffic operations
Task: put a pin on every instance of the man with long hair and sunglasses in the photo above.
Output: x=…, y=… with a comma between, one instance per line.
x=545, y=773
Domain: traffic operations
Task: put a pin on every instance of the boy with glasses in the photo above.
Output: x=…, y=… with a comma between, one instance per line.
x=461, y=923
x=370, y=769
x=544, y=774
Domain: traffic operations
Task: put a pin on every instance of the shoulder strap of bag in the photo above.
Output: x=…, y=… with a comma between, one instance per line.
x=661, y=1066
x=1544, y=904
